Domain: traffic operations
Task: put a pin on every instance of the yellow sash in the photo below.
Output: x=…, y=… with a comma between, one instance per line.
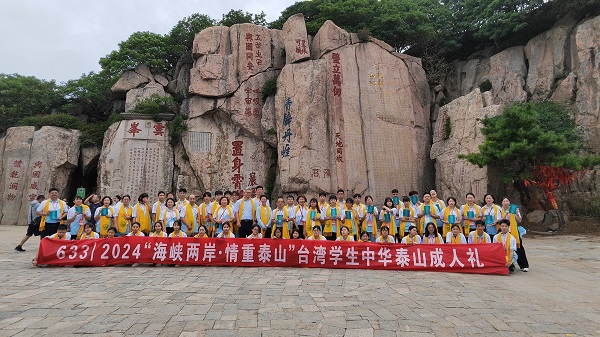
x=81, y=225
x=351, y=223
x=506, y=244
x=513, y=226
x=198, y=236
x=122, y=224
x=173, y=235
x=404, y=224
x=466, y=223
x=432, y=211
x=87, y=236
x=105, y=221
x=329, y=223
x=437, y=239
x=143, y=218
x=158, y=234
x=392, y=223
x=189, y=216
x=164, y=219
x=448, y=226
x=310, y=223
x=455, y=239
x=476, y=238
x=47, y=208
x=229, y=210
x=158, y=210
x=285, y=233
x=409, y=241
x=204, y=213
x=286, y=212
x=252, y=204
x=56, y=237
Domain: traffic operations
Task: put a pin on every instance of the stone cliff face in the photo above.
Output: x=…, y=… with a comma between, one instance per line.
x=348, y=113
x=560, y=64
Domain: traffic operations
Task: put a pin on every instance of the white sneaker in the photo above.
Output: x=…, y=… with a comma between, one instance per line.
x=525, y=269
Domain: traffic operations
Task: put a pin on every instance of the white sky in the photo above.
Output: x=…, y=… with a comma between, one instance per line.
x=63, y=39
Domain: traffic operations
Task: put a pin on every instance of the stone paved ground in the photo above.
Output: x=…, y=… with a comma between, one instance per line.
x=559, y=296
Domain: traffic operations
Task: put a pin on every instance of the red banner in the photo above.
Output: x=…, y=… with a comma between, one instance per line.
x=481, y=258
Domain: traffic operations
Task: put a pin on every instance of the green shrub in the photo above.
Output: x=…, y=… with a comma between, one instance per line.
x=60, y=120
x=447, y=128
x=363, y=34
x=93, y=134
x=155, y=104
x=177, y=127
x=485, y=86
x=269, y=89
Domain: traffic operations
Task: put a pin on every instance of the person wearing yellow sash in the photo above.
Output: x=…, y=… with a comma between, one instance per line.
x=408, y=216
x=201, y=232
x=141, y=214
x=360, y=210
x=490, y=214
x=332, y=218
x=277, y=234
x=245, y=210
x=256, y=234
x=189, y=216
x=169, y=215
x=104, y=216
x=341, y=197
x=290, y=209
x=158, y=231
x=455, y=236
x=513, y=215
x=345, y=234
x=385, y=236
x=52, y=211
x=322, y=203
x=259, y=190
x=61, y=233
x=158, y=207
x=369, y=225
x=226, y=233
x=350, y=218
x=77, y=216
x=431, y=235
x=450, y=215
x=88, y=231
x=313, y=219
x=124, y=215
x=479, y=235
x=509, y=242
x=296, y=234
x=264, y=216
x=439, y=206
x=470, y=212
x=223, y=215
x=135, y=230
x=278, y=218
x=427, y=212
x=301, y=215
x=389, y=221
x=413, y=237
x=316, y=234
x=177, y=232
x=205, y=213
x=182, y=201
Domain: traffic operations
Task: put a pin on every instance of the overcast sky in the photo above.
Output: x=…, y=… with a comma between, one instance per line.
x=62, y=39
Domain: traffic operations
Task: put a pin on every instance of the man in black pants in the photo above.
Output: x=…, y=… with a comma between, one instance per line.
x=52, y=211
x=33, y=222
x=245, y=209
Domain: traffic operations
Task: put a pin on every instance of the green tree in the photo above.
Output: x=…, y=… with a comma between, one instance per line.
x=181, y=36
x=23, y=96
x=89, y=95
x=140, y=48
x=526, y=134
x=238, y=16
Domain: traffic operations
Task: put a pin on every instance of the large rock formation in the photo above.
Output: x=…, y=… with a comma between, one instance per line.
x=32, y=162
x=457, y=131
x=136, y=157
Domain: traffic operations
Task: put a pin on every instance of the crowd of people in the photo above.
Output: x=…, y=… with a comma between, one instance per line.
x=410, y=219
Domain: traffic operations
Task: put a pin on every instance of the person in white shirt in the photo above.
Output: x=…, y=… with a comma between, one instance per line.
x=52, y=211
x=316, y=234
x=479, y=235
x=226, y=233
x=256, y=234
x=509, y=242
x=177, y=232
x=455, y=236
x=413, y=237
x=158, y=206
x=344, y=231
x=385, y=236
x=431, y=235
x=135, y=230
